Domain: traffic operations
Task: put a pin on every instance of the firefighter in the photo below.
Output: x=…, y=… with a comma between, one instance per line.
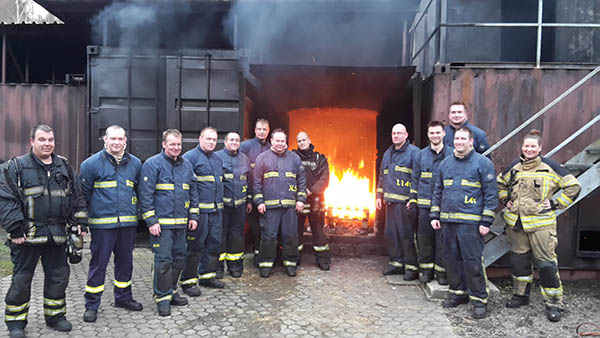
x=169, y=204
x=457, y=116
x=316, y=172
x=109, y=180
x=464, y=199
x=252, y=148
x=279, y=188
x=394, y=188
x=424, y=175
x=39, y=197
x=204, y=243
x=236, y=171
x=526, y=187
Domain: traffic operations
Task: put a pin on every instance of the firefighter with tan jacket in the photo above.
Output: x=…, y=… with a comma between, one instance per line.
x=527, y=187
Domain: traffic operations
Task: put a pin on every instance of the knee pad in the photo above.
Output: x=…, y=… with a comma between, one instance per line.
x=549, y=274
x=520, y=263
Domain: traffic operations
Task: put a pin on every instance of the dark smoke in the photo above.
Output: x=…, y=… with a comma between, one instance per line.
x=342, y=32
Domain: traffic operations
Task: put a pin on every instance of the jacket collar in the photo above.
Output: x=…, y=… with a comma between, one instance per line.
x=40, y=163
x=170, y=160
x=529, y=164
x=112, y=159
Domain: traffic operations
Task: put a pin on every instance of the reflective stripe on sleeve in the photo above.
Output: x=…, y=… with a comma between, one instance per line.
x=105, y=184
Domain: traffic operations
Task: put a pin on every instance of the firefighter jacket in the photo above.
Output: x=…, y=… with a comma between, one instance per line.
x=316, y=172
x=236, y=172
x=465, y=190
x=254, y=147
x=209, y=179
x=527, y=183
x=395, y=173
x=480, y=139
x=167, y=190
x=109, y=189
x=278, y=180
x=425, y=171
x=38, y=200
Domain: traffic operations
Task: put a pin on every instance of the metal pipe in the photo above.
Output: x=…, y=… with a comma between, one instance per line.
x=3, y=57
x=521, y=24
x=443, y=19
x=129, y=89
x=404, y=44
x=572, y=137
x=420, y=17
x=208, y=87
x=538, y=46
x=542, y=111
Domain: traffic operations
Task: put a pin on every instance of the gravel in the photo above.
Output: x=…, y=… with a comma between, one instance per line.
x=582, y=305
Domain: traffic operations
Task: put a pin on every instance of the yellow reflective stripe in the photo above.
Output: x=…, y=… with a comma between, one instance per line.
x=271, y=202
x=380, y=190
x=386, y=171
x=235, y=256
x=94, y=289
x=252, y=165
x=460, y=215
x=222, y=256
x=288, y=202
x=547, y=175
x=564, y=199
x=161, y=299
x=242, y=177
x=395, y=196
x=439, y=268
x=122, y=285
x=301, y=193
x=289, y=263
x=487, y=212
x=148, y=214
x=552, y=292
x=194, y=210
x=435, y=208
x=300, y=247
x=110, y=220
x=265, y=264
x=186, y=186
x=423, y=201
x=227, y=199
x=448, y=182
x=165, y=186
x=321, y=248
x=426, y=174
x=54, y=312
x=403, y=169
x=105, y=184
x=207, y=275
x=9, y=318
x=271, y=174
x=54, y=302
x=426, y=265
x=412, y=200
x=80, y=214
x=528, y=279
x=191, y=281
x=130, y=183
x=33, y=190
x=410, y=267
x=470, y=183
x=206, y=205
x=290, y=174
x=396, y=264
x=206, y=178
x=18, y=308
x=257, y=196
x=502, y=194
x=238, y=202
x=413, y=191
x=229, y=176
x=171, y=221
x=477, y=299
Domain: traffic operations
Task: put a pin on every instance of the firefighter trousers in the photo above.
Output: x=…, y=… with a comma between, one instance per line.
x=400, y=237
x=429, y=242
x=283, y=222
x=203, y=245
x=255, y=229
x=118, y=241
x=232, y=239
x=56, y=278
x=316, y=220
x=169, y=259
x=540, y=244
x=463, y=248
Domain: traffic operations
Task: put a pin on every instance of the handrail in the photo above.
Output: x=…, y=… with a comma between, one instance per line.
x=542, y=111
x=572, y=137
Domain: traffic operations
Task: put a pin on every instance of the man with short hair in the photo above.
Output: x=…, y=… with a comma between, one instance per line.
x=169, y=205
x=236, y=172
x=424, y=174
x=458, y=118
x=252, y=148
x=394, y=188
x=204, y=243
x=108, y=180
x=279, y=192
x=464, y=201
x=39, y=198
x=316, y=171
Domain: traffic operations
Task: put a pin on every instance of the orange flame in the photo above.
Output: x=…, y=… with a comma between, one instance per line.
x=349, y=196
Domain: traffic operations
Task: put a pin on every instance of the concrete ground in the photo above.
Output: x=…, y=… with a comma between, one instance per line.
x=351, y=300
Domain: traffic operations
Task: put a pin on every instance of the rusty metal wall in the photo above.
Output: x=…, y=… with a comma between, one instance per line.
x=62, y=107
x=499, y=100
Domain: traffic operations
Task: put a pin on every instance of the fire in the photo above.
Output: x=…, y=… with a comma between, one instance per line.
x=349, y=196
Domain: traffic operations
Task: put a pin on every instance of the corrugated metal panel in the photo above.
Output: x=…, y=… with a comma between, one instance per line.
x=62, y=107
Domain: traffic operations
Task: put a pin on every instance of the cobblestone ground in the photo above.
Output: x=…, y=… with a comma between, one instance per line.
x=351, y=300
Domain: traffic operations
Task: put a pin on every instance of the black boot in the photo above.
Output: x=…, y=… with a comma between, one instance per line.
x=62, y=325
x=212, y=283
x=164, y=308
x=192, y=291
x=90, y=315
x=411, y=275
x=16, y=333
x=441, y=278
x=553, y=313
x=265, y=272
x=291, y=271
x=177, y=300
x=131, y=305
x=517, y=301
x=426, y=276
x=392, y=270
x=479, y=311
x=452, y=302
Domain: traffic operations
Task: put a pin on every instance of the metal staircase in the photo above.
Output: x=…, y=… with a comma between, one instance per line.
x=585, y=166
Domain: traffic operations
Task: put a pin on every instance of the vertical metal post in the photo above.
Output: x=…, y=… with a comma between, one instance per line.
x=129, y=88
x=443, y=20
x=3, y=57
x=404, y=43
x=208, y=71
x=538, y=52
x=236, y=42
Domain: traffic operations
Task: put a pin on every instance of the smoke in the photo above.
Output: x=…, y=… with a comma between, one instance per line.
x=346, y=33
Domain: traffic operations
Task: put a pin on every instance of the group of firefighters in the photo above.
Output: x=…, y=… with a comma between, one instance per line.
x=195, y=206
x=453, y=192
